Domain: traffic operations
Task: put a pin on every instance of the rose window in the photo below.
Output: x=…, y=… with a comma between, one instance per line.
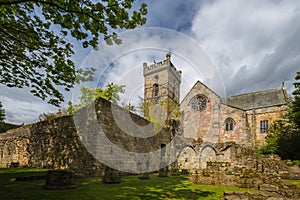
x=198, y=103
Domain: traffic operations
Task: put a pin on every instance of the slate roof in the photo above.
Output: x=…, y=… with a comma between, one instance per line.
x=265, y=98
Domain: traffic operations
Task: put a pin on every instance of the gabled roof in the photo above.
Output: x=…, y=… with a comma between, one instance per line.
x=265, y=98
x=199, y=83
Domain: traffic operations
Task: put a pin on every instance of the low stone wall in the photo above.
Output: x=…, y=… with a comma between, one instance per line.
x=272, y=164
x=263, y=174
x=221, y=173
x=284, y=191
x=250, y=173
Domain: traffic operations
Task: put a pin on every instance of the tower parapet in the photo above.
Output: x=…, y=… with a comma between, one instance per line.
x=160, y=66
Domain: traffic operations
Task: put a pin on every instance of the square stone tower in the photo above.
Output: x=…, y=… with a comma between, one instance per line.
x=162, y=83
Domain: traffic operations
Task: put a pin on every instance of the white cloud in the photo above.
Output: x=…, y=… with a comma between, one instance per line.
x=19, y=109
x=254, y=44
x=123, y=64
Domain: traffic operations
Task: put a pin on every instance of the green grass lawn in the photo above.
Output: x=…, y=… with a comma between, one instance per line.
x=131, y=188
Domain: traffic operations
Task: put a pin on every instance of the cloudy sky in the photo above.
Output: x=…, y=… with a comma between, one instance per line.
x=233, y=46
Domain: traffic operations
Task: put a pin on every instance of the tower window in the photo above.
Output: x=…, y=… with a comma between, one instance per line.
x=229, y=123
x=264, y=126
x=156, y=90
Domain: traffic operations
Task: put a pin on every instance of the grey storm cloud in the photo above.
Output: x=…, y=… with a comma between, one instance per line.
x=176, y=15
x=274, y=68
x=255, y=44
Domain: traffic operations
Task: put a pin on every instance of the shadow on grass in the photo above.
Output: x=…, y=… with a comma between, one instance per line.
x=166, y=194
x=130, y=188
x=161, y=188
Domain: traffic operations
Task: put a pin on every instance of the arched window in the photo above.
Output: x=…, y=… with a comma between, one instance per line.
x=155, y=90
x=229, y=124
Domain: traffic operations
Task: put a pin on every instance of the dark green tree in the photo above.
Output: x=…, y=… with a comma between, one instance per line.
x=295, y=110
x=2, y=113
x=284, y=137
x=34, y=49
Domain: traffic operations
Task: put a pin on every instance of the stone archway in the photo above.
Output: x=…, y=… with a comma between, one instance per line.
x=187, y=158
x=207, y=153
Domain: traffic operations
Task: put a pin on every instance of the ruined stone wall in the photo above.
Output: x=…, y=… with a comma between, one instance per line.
x=236, y=154
x=223, y=173
x=102, y=127
x=121, y=138
x=48, y=144
x=239, y=166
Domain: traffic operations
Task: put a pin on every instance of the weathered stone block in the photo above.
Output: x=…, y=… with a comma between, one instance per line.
x=144, y=176
x=268, y=187
x=111, y=176
x=163, y=170
x=60, y=180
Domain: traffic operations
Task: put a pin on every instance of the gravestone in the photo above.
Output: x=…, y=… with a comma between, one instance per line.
x=60, y=180
x=163, y=171
x=14, y=164
x=145, y=175
x=174, y=169
x=111, y=176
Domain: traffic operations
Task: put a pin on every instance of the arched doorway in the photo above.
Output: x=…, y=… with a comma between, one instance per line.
x=187, y=158
x=207, y=153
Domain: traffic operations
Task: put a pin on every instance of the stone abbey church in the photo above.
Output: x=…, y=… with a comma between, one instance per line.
x=103, y=134
x=243, y=119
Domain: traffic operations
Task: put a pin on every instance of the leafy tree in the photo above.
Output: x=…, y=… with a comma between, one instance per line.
x=283, y=140
x=88, y=94
x=47, y=116
x=110, y=93
x=273, y=138
x=51, y=116
x=70, y=108
x=2, y=113
x=295, y=111
x=34, y=50
x=171, y=107
x=128, y=106
x=164, y=114
x=284, y=137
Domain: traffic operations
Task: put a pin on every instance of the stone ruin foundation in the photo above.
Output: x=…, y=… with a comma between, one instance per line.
x=246, y=170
